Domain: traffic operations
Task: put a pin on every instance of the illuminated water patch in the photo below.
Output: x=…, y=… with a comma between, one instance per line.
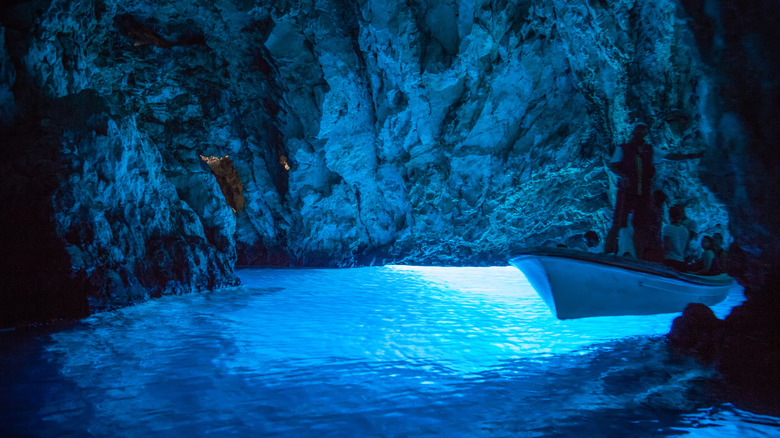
x=468, y=319
x=382, y=351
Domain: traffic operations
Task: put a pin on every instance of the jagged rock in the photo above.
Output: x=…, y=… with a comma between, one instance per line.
x=744, y=348
x=697, y=331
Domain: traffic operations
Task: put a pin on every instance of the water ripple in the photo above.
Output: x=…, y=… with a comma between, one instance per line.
x=392, y=351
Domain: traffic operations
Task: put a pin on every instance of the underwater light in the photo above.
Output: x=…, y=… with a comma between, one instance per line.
x=490, y=280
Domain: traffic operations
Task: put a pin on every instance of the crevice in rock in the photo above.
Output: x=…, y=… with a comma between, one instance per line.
x=140, y=33
x=228, y=180
x=144, y=35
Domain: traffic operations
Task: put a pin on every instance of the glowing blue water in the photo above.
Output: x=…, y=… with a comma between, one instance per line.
x=389, y=351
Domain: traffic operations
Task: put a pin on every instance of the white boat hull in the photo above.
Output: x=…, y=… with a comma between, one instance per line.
x=588, y=286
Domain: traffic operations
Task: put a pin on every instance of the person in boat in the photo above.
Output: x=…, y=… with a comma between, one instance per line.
x=588, y=242
x=648, y=237
x=592, y=241
x=720, y=253
x=693, y=251
x=675, y=237
x=703, y=265
x=626, y=247
x=634, y=163
x=707, y=264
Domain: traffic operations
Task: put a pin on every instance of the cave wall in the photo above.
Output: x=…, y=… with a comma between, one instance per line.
x=457, y=131
x=740, y=44
x=428, y=131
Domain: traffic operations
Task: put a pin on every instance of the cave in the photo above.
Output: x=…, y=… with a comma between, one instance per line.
x=152, y=149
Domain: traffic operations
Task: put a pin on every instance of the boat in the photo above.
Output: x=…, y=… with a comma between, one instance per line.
x=577, y=284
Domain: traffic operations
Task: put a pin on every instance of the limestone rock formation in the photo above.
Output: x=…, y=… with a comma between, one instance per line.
x=426, y=131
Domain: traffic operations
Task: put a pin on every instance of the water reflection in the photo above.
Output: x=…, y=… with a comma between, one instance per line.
x=358, y=352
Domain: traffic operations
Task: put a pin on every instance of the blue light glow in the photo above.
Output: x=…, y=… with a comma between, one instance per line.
x=365, y=351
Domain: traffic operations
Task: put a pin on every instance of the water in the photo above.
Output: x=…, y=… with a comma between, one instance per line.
x=368, y=352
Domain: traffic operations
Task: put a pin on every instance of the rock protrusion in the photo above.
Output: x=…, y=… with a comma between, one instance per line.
x=744, y=348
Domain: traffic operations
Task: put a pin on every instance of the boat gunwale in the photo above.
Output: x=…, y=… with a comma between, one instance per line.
x=624, y=263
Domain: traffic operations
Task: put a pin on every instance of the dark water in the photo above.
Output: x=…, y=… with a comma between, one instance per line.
x=369, y=352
